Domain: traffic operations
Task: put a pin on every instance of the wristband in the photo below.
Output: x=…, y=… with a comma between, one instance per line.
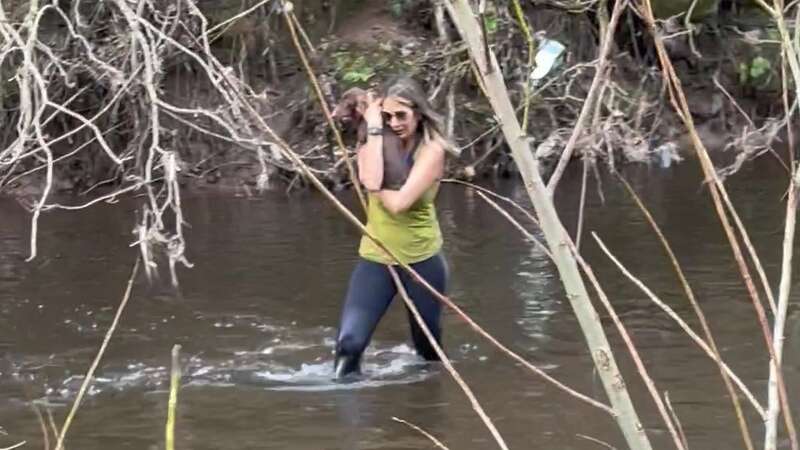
x=375, y=131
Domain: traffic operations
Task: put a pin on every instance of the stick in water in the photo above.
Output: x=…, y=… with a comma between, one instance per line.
x=435, y=441
x=90, y=374
x=174, y=384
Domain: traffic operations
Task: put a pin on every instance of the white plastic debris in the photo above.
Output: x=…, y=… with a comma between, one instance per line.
x=546, y=59
x=667, y=154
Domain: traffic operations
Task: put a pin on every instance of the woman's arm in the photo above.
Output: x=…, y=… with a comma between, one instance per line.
x=370, y=163
x=428, y=169
x=370, y=155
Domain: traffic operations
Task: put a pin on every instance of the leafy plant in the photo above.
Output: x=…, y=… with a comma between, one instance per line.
x=353, y=69
x=360, y=75
x=758, y=70
x=759, y=67
x=355, y=66
x=491, y=23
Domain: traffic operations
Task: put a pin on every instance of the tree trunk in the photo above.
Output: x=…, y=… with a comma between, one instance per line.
x=554, y=231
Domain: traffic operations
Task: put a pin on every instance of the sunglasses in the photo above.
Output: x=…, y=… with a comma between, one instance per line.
x=401, y=116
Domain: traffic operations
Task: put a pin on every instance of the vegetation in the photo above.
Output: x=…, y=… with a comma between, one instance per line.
x=111, y=98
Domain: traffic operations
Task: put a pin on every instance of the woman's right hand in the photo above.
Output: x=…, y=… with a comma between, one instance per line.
x=373, y=114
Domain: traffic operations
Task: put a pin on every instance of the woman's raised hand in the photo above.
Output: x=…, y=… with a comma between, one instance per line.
x=373, y=114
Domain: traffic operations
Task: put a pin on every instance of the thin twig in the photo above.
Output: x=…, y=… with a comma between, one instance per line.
x=747, y=118
x=491, y=193
x=783, y=303
x=90, y=373
x=634, y=353
x=686, y=328
x=770, y=438
x=480, y=136
x=303, y=33
x=678, y=100
x=582, y=202
x=732, y=100
x=60, y=158
x=588, y=103
x=681, y=433
x=325, y=109
x=523, y=24
x=236, y=17
x=52, y=422
x=42, y=425
x=690, y=29
x=435, y=441
x=516, y=224
x=751, y=250
x=641, y=368
x=699, y=312
x=596, y=441
x=447, y=364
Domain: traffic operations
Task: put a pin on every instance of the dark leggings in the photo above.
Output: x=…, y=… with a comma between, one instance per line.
x=369, y=295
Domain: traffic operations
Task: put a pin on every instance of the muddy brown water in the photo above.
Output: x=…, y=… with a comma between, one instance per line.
x=257, y=315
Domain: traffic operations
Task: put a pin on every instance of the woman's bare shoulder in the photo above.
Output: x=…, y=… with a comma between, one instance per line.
x=433, y=147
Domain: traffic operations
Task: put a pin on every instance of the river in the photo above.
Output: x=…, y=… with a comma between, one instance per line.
x=257, y=315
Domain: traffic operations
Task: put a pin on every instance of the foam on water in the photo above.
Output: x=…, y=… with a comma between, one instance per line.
x=395, y=365
x=302, y=365
x=289, y=358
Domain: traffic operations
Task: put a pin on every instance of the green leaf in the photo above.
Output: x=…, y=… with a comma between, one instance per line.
x=491, y=24
x=743, y=73
x=759, y=67
x=359, y=74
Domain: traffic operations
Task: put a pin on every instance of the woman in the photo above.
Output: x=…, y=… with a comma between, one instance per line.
x=404, y=220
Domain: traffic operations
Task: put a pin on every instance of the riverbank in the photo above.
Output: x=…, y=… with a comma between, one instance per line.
x=725, y=60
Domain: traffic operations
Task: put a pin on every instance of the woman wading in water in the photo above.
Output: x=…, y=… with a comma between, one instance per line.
x=403, y=219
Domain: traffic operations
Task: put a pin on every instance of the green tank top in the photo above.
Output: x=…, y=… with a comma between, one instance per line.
x=412, y=236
